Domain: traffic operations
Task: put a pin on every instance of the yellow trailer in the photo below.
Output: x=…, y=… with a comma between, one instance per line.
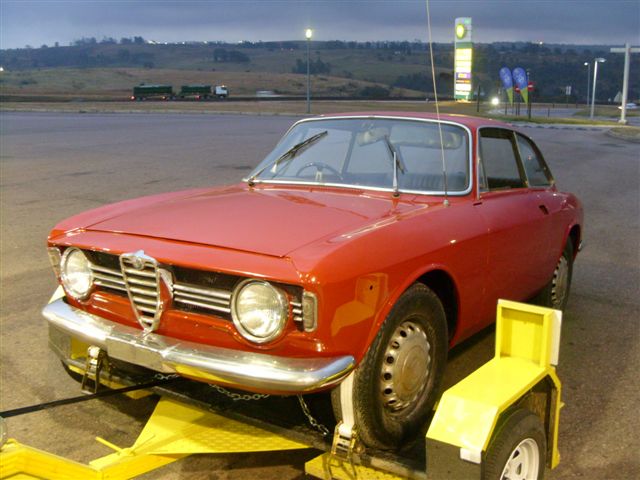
x=501, y=422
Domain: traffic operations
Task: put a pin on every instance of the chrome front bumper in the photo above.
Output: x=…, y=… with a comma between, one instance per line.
x=244, y=370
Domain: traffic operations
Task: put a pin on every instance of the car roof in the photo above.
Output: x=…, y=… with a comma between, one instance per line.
x=469, y=121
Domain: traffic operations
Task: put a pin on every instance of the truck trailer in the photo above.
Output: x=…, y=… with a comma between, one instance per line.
x=144, y=92
x=199, y=92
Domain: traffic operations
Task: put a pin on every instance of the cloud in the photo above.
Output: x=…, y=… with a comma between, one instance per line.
x=589, y=22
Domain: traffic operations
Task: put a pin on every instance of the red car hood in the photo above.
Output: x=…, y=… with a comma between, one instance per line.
x=269, y=221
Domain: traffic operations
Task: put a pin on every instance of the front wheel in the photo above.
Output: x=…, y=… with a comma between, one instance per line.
x=398, y=380
x=517, y=449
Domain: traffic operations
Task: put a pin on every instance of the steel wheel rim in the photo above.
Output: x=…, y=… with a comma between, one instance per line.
x=560, y=282
x=523, y=463
x=406, y=366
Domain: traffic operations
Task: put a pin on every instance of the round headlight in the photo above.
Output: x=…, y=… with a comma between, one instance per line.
x=259, y=311
x=76, y=273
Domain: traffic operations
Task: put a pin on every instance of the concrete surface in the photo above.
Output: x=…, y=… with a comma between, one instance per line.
x=55, y=165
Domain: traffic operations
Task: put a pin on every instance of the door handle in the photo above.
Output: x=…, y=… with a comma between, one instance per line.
x=544, y=209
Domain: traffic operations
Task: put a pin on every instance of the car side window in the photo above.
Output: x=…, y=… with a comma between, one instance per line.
x=499, y=159
x=538, y=173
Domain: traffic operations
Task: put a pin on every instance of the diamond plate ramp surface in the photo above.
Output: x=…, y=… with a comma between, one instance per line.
x=176, y=428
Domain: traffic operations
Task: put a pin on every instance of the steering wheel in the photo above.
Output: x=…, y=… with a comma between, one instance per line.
x=320, y=166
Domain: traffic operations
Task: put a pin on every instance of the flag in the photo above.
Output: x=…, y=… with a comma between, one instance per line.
x=520, y=79
x=507, y=82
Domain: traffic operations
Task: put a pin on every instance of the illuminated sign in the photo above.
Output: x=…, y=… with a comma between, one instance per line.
x=463, y=61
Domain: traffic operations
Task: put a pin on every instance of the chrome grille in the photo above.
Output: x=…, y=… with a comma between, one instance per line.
x=142, y=281
x=296, y=308
x=108, y=278
x=209, y=298
x=186, y=294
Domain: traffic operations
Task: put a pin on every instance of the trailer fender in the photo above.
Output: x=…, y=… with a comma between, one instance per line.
x=521, y=375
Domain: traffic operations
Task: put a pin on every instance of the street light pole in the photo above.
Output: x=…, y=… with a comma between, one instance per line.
x=627, y=50
x=308, y=34
x=529, y=94
x=588, y=65
x=595, y=77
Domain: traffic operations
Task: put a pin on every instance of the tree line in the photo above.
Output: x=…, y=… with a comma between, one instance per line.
x=552, y=67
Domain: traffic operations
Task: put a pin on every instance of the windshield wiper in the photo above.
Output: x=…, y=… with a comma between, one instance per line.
x=397, y=164
x=288, y=155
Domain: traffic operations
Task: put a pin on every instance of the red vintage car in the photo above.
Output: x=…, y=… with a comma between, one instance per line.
x=363, y=243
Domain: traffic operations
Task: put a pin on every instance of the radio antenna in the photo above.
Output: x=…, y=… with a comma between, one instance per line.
x=435, y=94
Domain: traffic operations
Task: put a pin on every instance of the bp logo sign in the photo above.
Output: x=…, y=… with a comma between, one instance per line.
x=463, y=61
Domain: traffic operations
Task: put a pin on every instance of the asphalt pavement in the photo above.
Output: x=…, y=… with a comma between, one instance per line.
x=55, y=165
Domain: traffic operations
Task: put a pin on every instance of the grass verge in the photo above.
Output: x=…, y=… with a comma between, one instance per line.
x=631, y=134
x=606, y=111
x=276, y=107
x=553, y=120
x=271, y=107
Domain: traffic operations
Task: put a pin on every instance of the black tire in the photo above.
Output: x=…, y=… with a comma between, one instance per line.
x=550, y=296
x=389, y=411
x=516, y=437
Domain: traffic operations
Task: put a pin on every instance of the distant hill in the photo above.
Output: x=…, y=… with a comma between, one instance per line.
x=348, y=68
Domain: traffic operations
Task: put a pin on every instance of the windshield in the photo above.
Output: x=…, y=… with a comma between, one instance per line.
x=360, y=152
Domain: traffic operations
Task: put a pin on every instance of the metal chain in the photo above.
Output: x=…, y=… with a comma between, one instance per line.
x=238, y=396
x=257, y=396
x=165, y=376
x=232, y=395
x=312, y=421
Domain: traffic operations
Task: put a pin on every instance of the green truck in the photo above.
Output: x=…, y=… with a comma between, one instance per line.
x=144, y=92
x=165, y=92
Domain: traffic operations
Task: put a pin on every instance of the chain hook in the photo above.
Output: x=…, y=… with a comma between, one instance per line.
x=312, y=421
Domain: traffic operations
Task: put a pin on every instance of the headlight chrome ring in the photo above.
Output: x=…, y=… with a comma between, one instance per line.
x=76, y=274
x=259, y=310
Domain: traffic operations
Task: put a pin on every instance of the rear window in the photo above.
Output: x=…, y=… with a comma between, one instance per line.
x=499, y=159
x=537, y=172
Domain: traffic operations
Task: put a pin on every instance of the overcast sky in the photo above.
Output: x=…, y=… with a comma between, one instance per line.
x=25, y=22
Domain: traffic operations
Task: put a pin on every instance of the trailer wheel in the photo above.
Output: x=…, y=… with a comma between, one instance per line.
x=397, y=382
x=517, y=449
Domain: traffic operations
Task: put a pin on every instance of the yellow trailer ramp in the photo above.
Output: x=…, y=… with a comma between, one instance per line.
x=520, y=377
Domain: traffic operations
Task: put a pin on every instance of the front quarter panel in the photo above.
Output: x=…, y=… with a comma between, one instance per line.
x=358, y=276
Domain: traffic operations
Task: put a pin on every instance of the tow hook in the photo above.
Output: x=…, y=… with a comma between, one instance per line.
x=93, y=367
